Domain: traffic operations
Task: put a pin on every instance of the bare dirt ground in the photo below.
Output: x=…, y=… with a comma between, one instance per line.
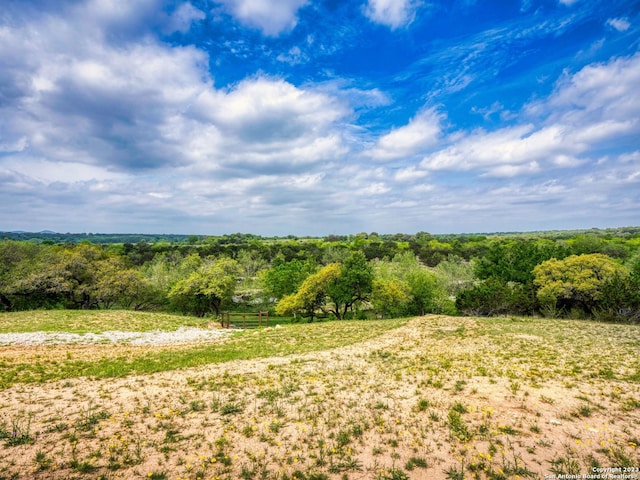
x=417, y=402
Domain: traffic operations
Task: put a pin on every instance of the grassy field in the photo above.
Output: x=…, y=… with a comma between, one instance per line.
x=94, y=321
x=429, y=398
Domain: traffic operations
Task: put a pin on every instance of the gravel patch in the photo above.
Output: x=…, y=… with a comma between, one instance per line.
x=154, y=338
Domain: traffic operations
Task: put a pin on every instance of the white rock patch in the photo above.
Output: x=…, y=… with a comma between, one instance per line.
x=156, y=337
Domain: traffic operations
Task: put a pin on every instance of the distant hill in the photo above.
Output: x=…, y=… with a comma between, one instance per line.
x=48, y=236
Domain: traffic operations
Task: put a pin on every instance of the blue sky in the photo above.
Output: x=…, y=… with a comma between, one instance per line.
x=317, y=117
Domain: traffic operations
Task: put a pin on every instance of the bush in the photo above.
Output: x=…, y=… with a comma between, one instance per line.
x=619, y=301
x=497, y=297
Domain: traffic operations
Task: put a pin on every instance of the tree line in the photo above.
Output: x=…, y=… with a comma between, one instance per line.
x=592, y=274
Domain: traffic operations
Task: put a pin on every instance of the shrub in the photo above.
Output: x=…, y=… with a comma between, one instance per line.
x=497, y=297
x=619, y=300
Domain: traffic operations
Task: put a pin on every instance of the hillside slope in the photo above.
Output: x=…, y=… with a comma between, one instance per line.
x=439, y=397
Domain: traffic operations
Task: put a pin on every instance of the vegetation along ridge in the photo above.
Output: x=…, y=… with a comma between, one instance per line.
x=592, y=274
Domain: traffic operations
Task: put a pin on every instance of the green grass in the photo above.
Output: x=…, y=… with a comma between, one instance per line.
x=110, y=361
x=531, y=350
x=94, y=321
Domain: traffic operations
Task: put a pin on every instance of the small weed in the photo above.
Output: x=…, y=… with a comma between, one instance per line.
x=582, y=411
x=82, y=467
x=42, y=460
x=620, y=458
x=508, y=430
x=415, y=462
x=514, y=387
x=393, y=474
x=343, y=438
x=231, y=409
x=565, y=466
x=630, y=404
x=458, y=426
x=422, y=405
x=157, y=476
x=317, y=476
x=89, y=420
x=197, y=406
x=460, y=408
x=275, y=427
x=19, y=433
x=454, y=473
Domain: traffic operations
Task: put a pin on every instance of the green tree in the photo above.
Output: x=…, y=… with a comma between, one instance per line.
x=620, y=299
x=426, y=293
x=352, y=286
x=78, y=276
x=311, y=295
x=514, y=260
x=17, y=259
x=66, y=275
x=494, y=296
x=207, y=289
x=575, y=282
x=455, y=274
x=118, y=284
x=390, y=296
x=284, y=278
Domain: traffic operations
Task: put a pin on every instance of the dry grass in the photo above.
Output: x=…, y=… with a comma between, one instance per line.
x=437, y=398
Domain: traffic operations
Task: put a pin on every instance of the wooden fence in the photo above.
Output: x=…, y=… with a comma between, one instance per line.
x=245, y=320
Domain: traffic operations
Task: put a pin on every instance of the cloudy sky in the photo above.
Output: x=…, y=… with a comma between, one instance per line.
x=313, y=117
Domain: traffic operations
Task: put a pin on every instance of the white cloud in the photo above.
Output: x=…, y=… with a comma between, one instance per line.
x=605, y=90
x=392, y=13
x=620, y=24
x=144, y=105
x=293, y=57
x=96, y=111
x=269, y=122
x=271, y=17
x=410, y=174
x=180, y=20
x=378, y=188
x=46, y=172
x=595, y=107
x=422, y=131
x=261, y=109
x=128, y=126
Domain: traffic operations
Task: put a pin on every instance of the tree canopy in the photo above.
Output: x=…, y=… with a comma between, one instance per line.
x=593, y=273
x=208, y=288
x=576, y=281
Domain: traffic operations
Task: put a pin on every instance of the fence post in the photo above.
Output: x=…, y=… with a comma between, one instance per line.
x=228, y=320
